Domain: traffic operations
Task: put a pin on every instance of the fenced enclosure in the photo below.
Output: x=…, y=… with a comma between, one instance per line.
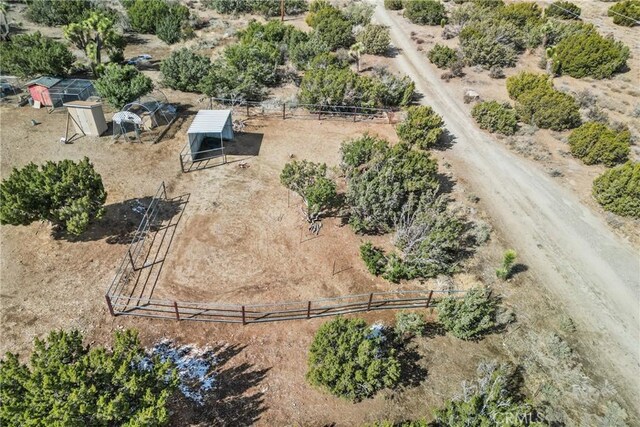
x=214, y=154
x=258, y=313
x=69, y=90
x=131, y=291
x=139, y=271
x=210, y=155
x=145, y=120
x=290, y=110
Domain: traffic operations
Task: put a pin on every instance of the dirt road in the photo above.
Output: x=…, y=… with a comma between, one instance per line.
x=591, y=271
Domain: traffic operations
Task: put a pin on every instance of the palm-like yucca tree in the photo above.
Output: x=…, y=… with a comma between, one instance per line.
x=356, y=52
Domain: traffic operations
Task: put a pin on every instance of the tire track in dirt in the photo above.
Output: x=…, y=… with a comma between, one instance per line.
x=572, y=252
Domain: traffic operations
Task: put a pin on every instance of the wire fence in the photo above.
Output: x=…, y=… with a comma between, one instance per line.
x=290, y=110
x=123, y=298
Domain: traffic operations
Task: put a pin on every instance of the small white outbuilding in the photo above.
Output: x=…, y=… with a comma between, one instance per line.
x=208, y=131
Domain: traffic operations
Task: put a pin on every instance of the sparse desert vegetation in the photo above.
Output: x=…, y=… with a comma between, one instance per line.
x=395, y=150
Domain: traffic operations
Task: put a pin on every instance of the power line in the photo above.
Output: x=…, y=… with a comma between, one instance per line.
x=628, y=17
x=609, y=11
x=567, y=10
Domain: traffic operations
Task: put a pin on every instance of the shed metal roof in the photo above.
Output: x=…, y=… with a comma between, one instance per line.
x=47, y=82
x=209, y=121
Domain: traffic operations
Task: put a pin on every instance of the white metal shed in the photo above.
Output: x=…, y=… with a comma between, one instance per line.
x=207, y=128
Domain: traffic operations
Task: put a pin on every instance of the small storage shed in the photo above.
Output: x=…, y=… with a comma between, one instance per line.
x=53, y=92
x=39, y=89
x=209, y=130
x=87, y=117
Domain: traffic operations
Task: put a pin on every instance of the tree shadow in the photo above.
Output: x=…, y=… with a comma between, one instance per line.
x=411, y=372
x=446, y=184
x=433, y=329
x=135, y=39
x=416, y=97
x=232, y=402
x=446, y=141
x=392, y=52
x=121, y=220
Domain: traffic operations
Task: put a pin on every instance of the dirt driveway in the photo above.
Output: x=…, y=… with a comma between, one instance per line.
x=571, y=250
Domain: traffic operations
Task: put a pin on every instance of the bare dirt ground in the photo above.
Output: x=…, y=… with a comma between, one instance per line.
x=238, y=239
x=243, y=236
x=572, y=251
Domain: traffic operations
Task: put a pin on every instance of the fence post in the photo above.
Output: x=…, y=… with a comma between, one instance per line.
x=284, y=106
x=175, y=307
x=309, y=310
x=429, y=298
x=354, y=114
x=319, y=112
x=108, y=298
x=244, y=320
x=369, y=303
x=247, y=110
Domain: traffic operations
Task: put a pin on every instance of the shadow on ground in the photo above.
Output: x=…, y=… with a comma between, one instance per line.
x=234, y=402
x=411, y=372
x=244, y=146
x=121, y=220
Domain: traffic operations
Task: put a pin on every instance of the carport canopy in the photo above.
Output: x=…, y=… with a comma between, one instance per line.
x=210, y=124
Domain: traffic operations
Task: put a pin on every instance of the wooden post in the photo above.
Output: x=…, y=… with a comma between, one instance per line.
x=109, y=305
x=244, y=320
x=369, y=303
x=282, y=10
x=354, y=114
x=429, y=298
x=175, y=307
x=319, y=112
x=247, y=110
x=66, y=131
x=309, y=310
x=284, y=114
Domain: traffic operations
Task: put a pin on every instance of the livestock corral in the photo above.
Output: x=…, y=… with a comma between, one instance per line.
x=235, y=236
x=207, y=247
x=231, y=235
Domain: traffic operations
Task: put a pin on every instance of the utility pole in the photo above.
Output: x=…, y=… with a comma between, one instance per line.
x=282, y=10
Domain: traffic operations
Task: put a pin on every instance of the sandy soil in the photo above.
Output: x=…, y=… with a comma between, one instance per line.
x=572, y=250
x=238, y=215
x=48, y=282
x=618, y=97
